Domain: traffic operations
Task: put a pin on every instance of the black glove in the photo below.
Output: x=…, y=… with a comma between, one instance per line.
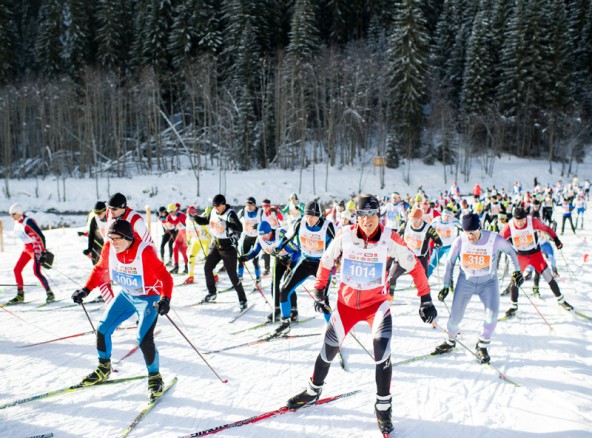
x=443, y=293
x=80, y=294
x=427, y=312
x=163, y=306
x=86, y=252
x=321, y=304
x=558, y=242
x=243, y=258
x=275, y=252
x=517, y=278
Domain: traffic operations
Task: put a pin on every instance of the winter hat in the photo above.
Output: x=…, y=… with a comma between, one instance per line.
x=16, y=209
x=519, y=213
x=264, y=228
x=117, y=201
x=471, y=222
x=122, y=228
x=171, y=208
x=416, y=214
x=219, y=200
x=367, y=202
x=162, y=209
x=313, y=209
x=294, y=196
x=100, y=207
x=345, y=214
x=251, y=200
x=191, y=210
x=266, y=203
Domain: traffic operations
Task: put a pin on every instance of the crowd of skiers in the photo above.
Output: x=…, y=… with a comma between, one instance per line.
x=366, y=243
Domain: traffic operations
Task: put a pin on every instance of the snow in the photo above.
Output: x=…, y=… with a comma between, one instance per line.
x=444, y=396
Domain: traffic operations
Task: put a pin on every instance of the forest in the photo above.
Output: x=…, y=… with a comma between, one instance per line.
x=122, y=87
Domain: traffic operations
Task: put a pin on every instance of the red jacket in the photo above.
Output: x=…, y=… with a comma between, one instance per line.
x=156, y=276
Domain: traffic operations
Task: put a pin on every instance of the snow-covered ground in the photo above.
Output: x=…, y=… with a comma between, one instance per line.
x=444, y=396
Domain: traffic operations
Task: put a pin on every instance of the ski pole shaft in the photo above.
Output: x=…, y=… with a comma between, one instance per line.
x=361, y=345
x=257, y=286
x=460, y=343
x=536, y=308
x=77, y=283
x=16, y=285
x=88, y=316
x=571, y=274
x=16, y=316
x=196, y=350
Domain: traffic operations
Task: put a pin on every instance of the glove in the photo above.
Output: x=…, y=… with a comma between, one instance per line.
x=427, y=312
x=321, y=304
x=517, y=278
x=275, y=252
x=80, y=294
x=443, y=293
x=243, y=258
x=163, y=306
x=558, y=243
x=86, y=252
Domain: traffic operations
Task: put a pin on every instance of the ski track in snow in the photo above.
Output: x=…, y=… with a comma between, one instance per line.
x=445, y=396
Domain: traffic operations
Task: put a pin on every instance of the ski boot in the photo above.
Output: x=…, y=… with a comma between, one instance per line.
x=276, y=315
x=481, y=351
x=283, y=329
x=561, y=301
x=383, y=409
x=242, y=305
x=186, y=270
x=266, y=271
x=99, y=375
x=512, y=310
x=19, y=298
x=50, y=297
x=445, y=347
x=309, y=396
x=155, y=385
x=555, y=273
x=175, y=269
x=211, y=296
x=294, y=314
x=189, y=280
x=535, y=291
x=507, y=290
x=528, y=276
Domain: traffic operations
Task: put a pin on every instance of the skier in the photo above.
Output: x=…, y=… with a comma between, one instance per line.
x=293, y=210
x=363, y=296
x=225, y=229
x=478, y=251
x=447, y=226
x=417, y=235
x=250, y=216
x=95, y=230
x=580, y=205
x=284, y=260
x=168, y=235
x=133, y=265
x=26, y=229
x=312, y=234
x=197, y=240
x=274, y=217
x=395, y=212
x=566, y=208
x=178, y=219
x=521, y=231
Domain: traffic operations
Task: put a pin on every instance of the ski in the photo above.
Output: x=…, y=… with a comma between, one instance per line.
x=69, y=337
x=67, y=390
x=581, y=315
x=40, y=306
x=241, y=313
x=261, y=341
x=43, y=435
x=265, y=416
x=148, y=408
x=415, y=359
x=9, y=304
x=266, y=323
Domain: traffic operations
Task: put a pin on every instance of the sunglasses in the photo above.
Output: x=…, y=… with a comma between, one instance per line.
x=116, y=239
x=115, y=208
x=366, y=213
x=472, y=233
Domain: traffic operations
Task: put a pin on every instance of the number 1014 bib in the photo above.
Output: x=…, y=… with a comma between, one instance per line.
x=364, y=268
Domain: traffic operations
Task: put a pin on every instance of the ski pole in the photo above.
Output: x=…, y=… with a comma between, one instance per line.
x=192, y=346
x=257, y=286
x=361, y=345
x=87, y=315
x=536, y=308
x=17, y=285
x=571, y=274
x=16, y=316
x=77, y=283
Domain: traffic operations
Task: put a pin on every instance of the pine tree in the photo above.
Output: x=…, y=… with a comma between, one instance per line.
x=408, y=54
x=580, y=32
x=478, y=82
x=304, y=36
x=49, y=47
x=392, y=159
x=153, y=23
x=8, y=36
x=79, y=50
x=112, y=37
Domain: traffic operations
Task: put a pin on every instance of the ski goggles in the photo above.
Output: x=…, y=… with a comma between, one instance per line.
x=367, y=213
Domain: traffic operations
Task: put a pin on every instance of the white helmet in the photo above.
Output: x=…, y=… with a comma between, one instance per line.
x=16, y=209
